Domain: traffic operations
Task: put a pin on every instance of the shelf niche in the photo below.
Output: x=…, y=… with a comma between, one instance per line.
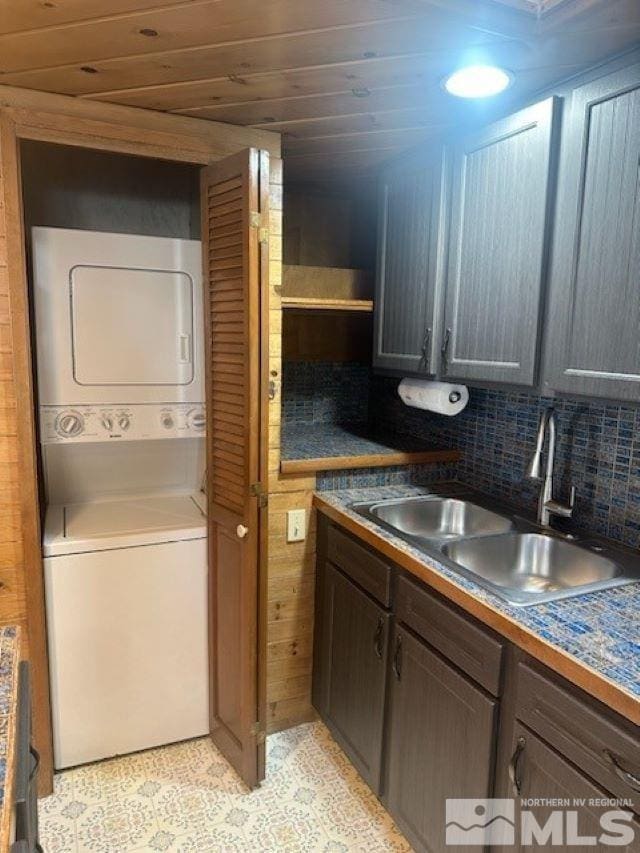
x=327, y=313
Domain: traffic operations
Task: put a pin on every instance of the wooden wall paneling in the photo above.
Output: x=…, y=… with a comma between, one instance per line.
x=20, y=442
x=291, y=566
x=179, y=137
x=334, y=336
x=61, y=120
x=326, y=282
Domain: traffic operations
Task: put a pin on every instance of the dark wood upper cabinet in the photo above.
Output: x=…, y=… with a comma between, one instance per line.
x=593, y=344
x=441, y=741
x=355, y=638
x=410, y=265
x=501, y=194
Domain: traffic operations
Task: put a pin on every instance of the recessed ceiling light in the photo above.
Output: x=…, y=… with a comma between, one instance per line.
x=477, y=81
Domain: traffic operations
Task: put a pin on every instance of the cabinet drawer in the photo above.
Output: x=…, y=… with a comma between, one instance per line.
x=360, y=564
x=467, y=645
x=543, y=775
x=604, y=747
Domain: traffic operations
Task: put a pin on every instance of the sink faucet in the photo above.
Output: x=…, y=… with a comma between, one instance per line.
x=547, y=506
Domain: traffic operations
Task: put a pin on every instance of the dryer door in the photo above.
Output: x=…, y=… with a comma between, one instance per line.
x=131, y=326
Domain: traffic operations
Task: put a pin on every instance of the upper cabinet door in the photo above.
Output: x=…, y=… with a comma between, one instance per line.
x=409, y=266
x=594, y=317
x=497, y=248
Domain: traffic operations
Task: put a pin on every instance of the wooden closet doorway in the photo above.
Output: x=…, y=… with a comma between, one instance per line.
x=237, y=715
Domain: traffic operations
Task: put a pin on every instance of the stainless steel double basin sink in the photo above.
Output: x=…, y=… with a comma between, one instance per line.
x=522, y=563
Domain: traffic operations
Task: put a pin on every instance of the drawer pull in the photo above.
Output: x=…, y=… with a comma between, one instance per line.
x=626, y=776
x=397, y=658
x=377, y=638
x=514, y=766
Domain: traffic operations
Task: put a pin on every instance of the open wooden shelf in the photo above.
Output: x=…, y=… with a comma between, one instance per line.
x=370, y=460
x=307, y=448
x=316, y=303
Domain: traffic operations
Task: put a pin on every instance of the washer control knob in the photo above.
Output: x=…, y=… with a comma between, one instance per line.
x=107, y=422
x=69, y=424
x=196, y=419
x=124, y=422
x=167, y=420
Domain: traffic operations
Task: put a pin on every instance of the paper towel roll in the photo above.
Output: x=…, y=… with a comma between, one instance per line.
x=439, y=397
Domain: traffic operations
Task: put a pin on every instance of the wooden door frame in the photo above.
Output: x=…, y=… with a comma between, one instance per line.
x=117, y=136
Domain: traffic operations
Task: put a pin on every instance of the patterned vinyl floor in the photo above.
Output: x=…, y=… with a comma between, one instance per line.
x=185, y=797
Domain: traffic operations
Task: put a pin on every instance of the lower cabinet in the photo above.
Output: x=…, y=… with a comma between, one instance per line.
x=431, y=705
x=441, y=741
x=538, y=774
x=355, y=643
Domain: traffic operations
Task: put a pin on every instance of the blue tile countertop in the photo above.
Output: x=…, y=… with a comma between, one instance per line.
x=599, y=631
x=322, y=441
x=9, y=659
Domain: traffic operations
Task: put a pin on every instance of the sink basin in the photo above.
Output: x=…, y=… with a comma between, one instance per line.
x=523, y=567
x=439, y=518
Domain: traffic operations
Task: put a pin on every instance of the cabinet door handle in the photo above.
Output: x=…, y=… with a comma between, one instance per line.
x=514, y=767
x=397, y=658
x=377, y=638
x=626, y=776
x=444, y=352
x=424, y=361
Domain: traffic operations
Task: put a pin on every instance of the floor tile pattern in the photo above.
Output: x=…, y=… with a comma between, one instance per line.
x=185, y=798
x=600, y=629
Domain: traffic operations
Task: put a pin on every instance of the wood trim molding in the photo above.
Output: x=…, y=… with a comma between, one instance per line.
x=217, y=138
x=26, y=437
x=564, y=664
x=374, y=460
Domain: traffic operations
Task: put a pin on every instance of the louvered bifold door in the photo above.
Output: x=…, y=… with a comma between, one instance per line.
x=234, y=195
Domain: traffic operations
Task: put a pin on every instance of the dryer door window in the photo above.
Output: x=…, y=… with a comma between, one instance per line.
x=131, y=326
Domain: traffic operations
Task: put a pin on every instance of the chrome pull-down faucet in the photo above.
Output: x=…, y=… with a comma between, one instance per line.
x=547, y=506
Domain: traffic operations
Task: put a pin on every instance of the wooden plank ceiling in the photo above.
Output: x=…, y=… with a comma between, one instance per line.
x=347, y=82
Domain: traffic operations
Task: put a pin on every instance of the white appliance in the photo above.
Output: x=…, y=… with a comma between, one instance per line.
x=118, y=318
x=65, y=424
x=119, y=340
x=126, y=602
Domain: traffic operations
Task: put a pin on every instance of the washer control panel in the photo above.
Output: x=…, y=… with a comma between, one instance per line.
x=64, y=424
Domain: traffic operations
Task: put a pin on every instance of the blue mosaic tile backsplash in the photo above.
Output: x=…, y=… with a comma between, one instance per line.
x=324, y=392
x=598, y=450
x=395, y=475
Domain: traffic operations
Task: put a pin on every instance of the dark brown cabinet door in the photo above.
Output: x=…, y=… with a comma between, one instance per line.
x=235, y=206
x=410, y=264
x=540, y=773
x=356, y=633
x=595, y=299
x=441, y=744
x=497, y=246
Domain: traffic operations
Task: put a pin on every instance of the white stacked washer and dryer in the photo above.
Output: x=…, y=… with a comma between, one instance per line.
x=119, y=342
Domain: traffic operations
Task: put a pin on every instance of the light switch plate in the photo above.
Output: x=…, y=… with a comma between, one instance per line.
x=296, y=525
